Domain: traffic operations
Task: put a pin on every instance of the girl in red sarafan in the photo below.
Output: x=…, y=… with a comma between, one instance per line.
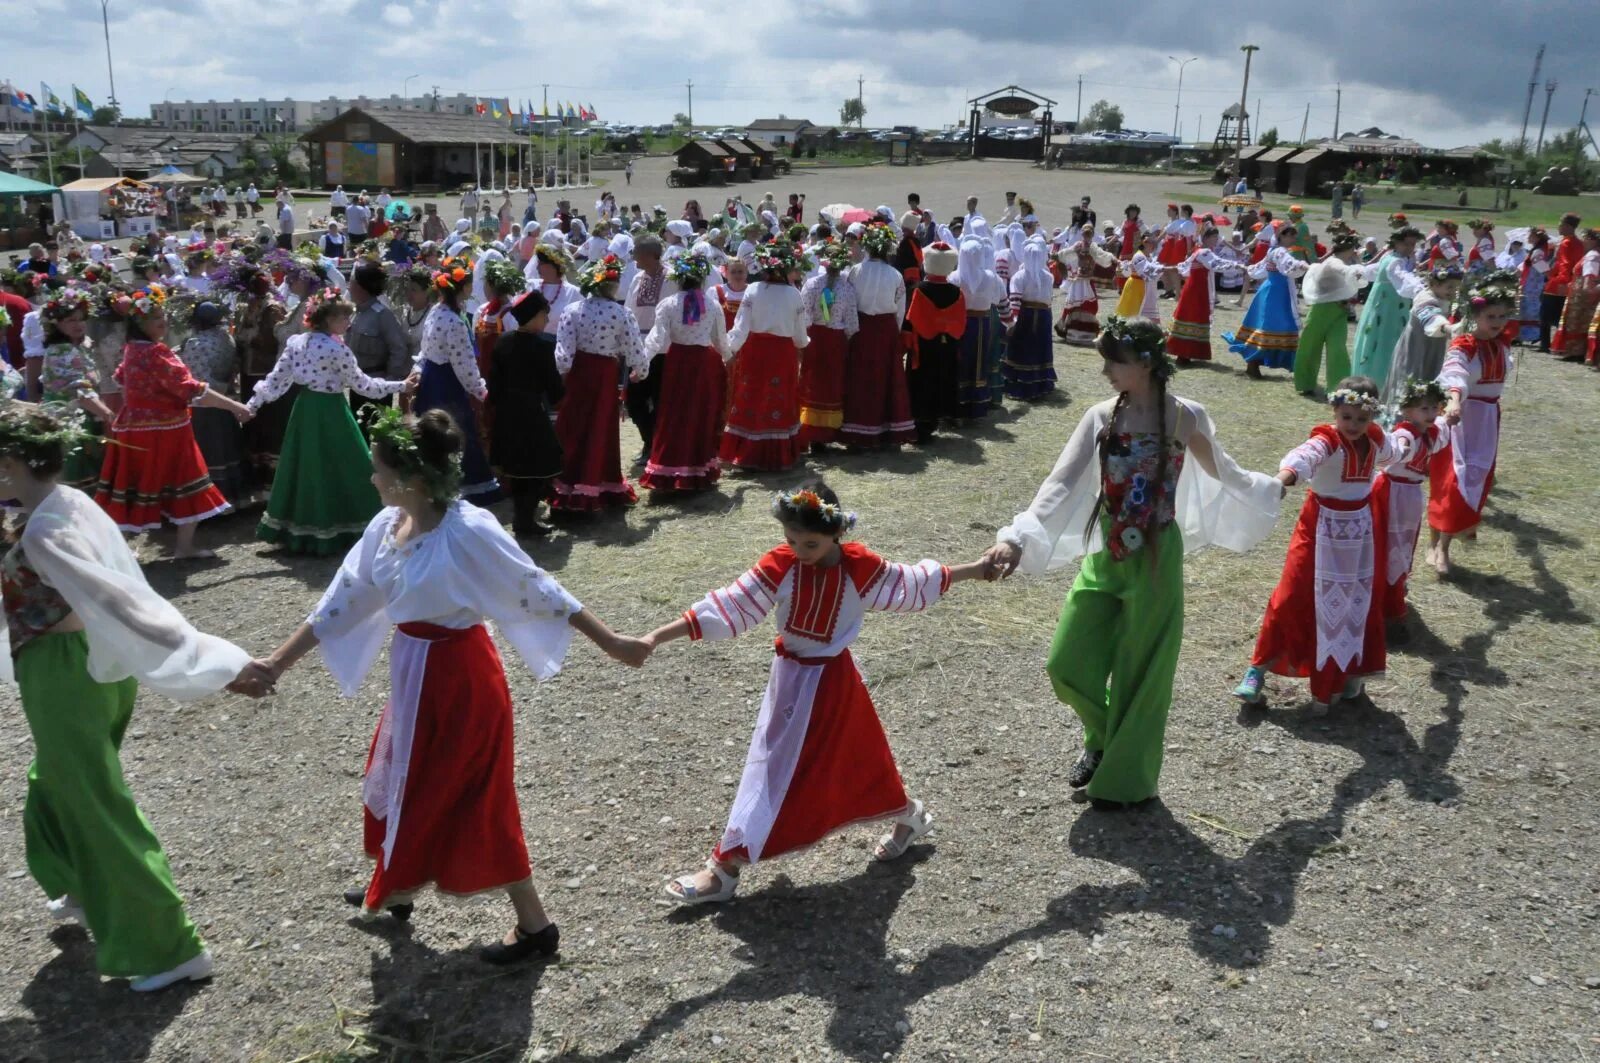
x=689, y=334
x=1325, y=619
x=818, y=760
x=1417, y=439
x=153, y=470
x=763, y=427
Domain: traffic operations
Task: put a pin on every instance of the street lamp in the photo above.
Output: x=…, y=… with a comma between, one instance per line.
x=1176, y=106
x=105, y=24
x=405, y=90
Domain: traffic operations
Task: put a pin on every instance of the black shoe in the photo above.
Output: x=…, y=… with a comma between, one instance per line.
x=1082, y=771
x=536, y=529
x=356, y=896
x=546, y=943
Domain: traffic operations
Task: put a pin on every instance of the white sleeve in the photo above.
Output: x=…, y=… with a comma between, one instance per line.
x=567, y=338
x=1305, y=459
x=798, y=327
x=1061, y=507
x=660, y=336
x=719, y=327
x=531, y=610
x=349, y=620
x=1456, y=373
x=741, y=324
x=902, y=588
x=457, y=341
x=1219, y=503
x=732, y=610
x=634, y=356
x=131, y=630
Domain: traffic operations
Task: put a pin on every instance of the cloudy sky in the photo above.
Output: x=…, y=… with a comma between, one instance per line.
x=1416, y=67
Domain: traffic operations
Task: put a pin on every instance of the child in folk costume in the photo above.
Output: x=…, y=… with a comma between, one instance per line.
x=1230, y=278
x=153, y=470
x=1481, y=255
x=1029, y=365
x=1325, y=619
x=877, y=407
x=1190, y=338
x=1271, y=329
x=597, y=347
x=729, y=294
x=1534, y=267
x=1142, y=481
x=83, y=631
x=451, y=380
x=502, y=281
x=524, y=391
x=1178, y=240
x=832, y=320
x=1080, y=312
x=763, y=426
x=67, y=376
x=818, y=759
x=1474, y=376
x=937, y=319
x=1128, y=242
x=549, y=273
x=1441, y=247
x=1140, y=272
x=1328, y=289
x=1571, y=339
x=1388, y=308
x=439, y=797
x=689, y=337
x=1296, y=235
x=1420, y=353
x=320, y=500
x=1399, y=489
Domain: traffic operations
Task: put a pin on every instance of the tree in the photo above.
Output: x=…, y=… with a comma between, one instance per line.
x=681, y=120
x=852, y=111
x=1103, y=115
x=1269, y=139
x=105, y=116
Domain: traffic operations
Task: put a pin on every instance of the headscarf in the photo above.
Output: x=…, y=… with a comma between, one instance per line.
x=972, y=276
x=1033, y=277
x=1017, y=240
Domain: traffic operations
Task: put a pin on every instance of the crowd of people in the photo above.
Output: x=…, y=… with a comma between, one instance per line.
x=379, y=401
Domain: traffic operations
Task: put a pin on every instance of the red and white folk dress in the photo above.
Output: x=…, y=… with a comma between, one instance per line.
x=818, y=759
x=764, y=409
x=1190, y=336
x=597, y=349
x=689, y=333
x=1462, y=474
x=1325, y=619
x=831, y=322
x=1399, y=491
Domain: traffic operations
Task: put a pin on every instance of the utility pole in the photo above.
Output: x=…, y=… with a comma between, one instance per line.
x=1549, y=91
x=105, y=24
x=861, y=110
x=1305, y=123
x=1261, y=123
x=690, y=86
x=434, y=106
x=1583, y=117
x=1533, y=85
x=1338, y=101
x=1238, y=164
x=1080, y=100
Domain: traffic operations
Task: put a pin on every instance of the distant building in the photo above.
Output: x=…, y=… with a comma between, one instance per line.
x=404, y=149
x=784, y=132
x=293, y=116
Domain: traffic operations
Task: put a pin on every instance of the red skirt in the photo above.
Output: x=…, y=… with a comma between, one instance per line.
x=460, y=829
x=877, y=406
x=1190, y=337
x=157, y=473
x=683, y=451
x=764, y=412
x=1287, y=644
x=591, y=465
x=1173, y=250
x=822, y=385
x=845, y=773
x=1257, y=253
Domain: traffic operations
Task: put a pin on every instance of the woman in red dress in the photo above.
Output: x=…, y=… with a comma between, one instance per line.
x=831, y=320
x=153, y=469
x=690, y=335
x=1190, y=338
x=768, y=332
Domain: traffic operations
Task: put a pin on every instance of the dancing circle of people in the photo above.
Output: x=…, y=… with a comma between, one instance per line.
x=513, y=363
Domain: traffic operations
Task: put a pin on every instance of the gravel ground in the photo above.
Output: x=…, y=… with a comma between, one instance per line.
x=1411, y=879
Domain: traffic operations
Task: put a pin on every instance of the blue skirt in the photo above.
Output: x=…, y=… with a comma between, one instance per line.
x=440, y=390
x=1270, y=332
x=973, y=391
x=994, y=355
x=1029, y=366
x=1532, y=289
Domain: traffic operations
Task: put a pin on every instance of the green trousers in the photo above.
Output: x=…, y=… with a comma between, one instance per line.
x=84, y=833
x=1114, y=657
x=1326, y=325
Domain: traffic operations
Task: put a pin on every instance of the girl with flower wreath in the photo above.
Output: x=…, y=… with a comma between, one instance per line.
x=1142, y=482
x=154, y=471
x=1270, y=332
x=1324, y=621
x=689, y=336
x=502, y=281
x=818, y=759
x=320, y=501
x=549, y=273
x=768, y=334
x=832, y=320
x=83, y=631
x=439, y=795
x=597, y=348
x=451, y=380
x=67, y=376
x=1476, y=368
x=877, y=406
x=1417, y=439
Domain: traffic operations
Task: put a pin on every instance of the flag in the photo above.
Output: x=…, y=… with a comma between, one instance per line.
x=478, y=107
x=546, y=113
x=494, y=109
x=593, y=114
x=571, y=113
x=82, y=102
x=15, y=97
x=52, y=102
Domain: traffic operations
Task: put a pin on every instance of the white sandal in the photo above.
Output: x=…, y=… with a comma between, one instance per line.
x=920, y=822
x=688, y=893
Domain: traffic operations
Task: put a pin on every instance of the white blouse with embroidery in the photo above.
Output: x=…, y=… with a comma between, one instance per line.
x=322, y=363
x=446, y=340
x=669, y=328
x=600, y=326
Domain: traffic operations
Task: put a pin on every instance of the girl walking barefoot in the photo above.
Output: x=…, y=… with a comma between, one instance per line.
x=440, y=794
x=818, y=760
x=1325, y=619
x=1142, y=480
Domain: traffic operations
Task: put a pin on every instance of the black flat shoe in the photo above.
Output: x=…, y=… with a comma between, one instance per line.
x=355, y=897
x=545, y=943
x=1085, y=767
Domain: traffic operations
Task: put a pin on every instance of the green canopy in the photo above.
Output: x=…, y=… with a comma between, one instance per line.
x=12, y=185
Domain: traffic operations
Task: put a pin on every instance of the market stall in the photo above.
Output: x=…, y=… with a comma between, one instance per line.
x=21, y=220
x=102, y=208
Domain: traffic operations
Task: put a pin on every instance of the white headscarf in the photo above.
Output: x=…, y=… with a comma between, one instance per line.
x=979, y=285
x=1032, y=281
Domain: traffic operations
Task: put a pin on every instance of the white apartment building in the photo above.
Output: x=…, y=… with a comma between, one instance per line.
x=269, y=116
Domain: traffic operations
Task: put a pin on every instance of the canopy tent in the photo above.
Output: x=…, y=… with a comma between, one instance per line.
x=12, y=185
x=101, y=184
x=175, y=178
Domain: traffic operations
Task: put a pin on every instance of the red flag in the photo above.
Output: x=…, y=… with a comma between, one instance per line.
x=479, y=107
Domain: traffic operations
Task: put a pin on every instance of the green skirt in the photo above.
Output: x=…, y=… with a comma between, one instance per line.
x=82, y=467
x=322, y=493
x=84, y=833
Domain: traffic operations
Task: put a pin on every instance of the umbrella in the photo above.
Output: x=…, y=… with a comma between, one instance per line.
x=397, y=208
x=846, y=213
x=1239, y=201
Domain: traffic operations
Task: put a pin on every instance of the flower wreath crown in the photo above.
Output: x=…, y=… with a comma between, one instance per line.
x=64, y=304
x=140, y=302
x=1415, y=392
x=791, y=504
x=502, y=277
x=319, y=299
x=880, y=239
x=1146, y=337
x=1351, y=397
x=607, y=270
x=387, y=425
x=693, y=268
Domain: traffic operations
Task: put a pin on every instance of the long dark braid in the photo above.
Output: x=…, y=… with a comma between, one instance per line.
x=1101, y=441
